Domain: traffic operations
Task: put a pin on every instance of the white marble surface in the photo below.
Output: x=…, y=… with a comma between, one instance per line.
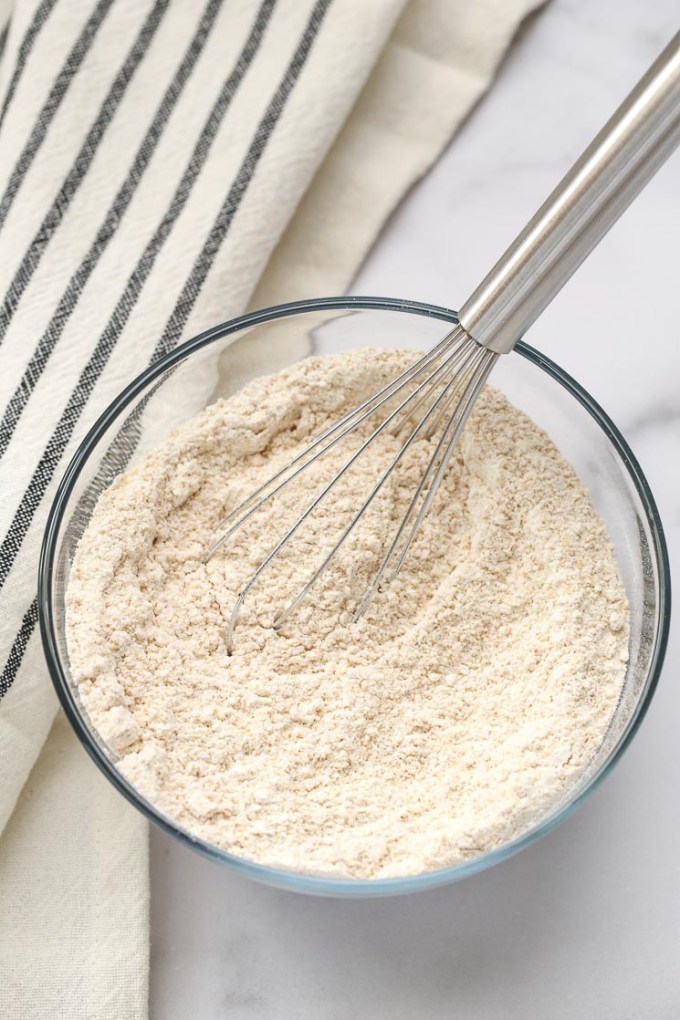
x=586, y=923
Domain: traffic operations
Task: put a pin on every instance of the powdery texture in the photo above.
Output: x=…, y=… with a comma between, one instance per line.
x=458, y=711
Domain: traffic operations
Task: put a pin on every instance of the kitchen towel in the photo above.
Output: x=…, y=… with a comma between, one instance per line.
x=162, y=164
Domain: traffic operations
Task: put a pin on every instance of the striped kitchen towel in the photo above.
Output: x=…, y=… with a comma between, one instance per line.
x=162, y=164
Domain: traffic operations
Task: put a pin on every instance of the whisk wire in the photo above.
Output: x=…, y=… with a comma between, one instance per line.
x=346, y=424
x=453, y=430
x=283, y=616
x=445, y=382
x=442, y=368
x=479, y=366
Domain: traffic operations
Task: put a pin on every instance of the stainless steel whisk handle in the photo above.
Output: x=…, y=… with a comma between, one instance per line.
x=586, y=203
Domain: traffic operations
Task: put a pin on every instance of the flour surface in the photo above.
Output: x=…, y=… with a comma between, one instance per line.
x=454, y=714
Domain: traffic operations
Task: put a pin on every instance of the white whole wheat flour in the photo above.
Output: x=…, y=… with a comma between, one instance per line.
x=478, y=686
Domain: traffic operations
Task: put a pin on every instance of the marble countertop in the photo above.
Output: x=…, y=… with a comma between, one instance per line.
x=586, y=923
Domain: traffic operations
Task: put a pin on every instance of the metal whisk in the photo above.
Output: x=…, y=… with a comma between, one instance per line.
x=442, y=385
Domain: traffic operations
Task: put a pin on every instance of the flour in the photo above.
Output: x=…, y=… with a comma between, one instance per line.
x=464, y=704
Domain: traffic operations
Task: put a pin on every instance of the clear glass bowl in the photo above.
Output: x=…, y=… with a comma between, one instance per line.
x=223, y=359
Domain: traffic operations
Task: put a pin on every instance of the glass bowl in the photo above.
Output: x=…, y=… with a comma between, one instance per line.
x=219, y=362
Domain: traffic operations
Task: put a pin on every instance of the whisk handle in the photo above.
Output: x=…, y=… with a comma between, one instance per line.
x=586, y=203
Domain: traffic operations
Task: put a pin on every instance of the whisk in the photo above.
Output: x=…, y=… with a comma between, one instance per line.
x=442, y=385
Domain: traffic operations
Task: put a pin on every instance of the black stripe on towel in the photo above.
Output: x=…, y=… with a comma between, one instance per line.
x=220, y=228
x=71, y=295
x=39, y=18
x=180, y=197
x=52, y=454
x=52, y=104
x=18, y=649
x=81, y=165
x=3, y=38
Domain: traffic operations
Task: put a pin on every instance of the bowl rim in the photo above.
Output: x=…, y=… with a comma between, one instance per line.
x=297, y=881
